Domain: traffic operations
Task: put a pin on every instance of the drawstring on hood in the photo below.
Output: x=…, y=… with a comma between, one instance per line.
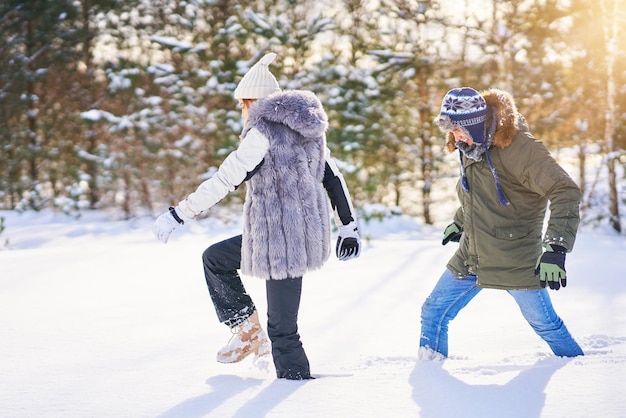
x=501, y=198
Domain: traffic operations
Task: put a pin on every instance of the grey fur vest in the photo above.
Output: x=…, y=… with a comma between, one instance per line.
x=286, y=228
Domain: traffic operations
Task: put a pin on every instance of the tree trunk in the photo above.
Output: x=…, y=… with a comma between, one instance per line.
x=427, y=175
x=610, y=36
x=582, y=160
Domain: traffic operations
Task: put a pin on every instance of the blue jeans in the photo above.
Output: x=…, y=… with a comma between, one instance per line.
x=451, y=294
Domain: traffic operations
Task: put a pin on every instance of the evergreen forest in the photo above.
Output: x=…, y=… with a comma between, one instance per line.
x=128, y=105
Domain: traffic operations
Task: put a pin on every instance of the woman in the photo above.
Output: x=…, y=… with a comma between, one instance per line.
x=284, y=160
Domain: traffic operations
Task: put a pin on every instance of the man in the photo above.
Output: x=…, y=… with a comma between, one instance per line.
x=290, y=177
x=507, y=180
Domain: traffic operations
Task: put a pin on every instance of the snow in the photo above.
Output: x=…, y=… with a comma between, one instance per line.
x=99, y=319
x=169, y=41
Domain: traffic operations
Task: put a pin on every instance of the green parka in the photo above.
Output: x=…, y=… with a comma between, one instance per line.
x=501, y=244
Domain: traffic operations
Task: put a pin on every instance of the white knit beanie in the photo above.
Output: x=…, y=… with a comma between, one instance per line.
x=258, y=81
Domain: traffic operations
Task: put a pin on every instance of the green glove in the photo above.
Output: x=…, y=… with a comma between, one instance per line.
x=551, y=267
x=453, y=233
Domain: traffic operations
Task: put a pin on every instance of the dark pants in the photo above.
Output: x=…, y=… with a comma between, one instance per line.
x=233, y=306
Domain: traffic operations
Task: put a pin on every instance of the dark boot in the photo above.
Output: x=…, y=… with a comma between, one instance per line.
x=283, y=303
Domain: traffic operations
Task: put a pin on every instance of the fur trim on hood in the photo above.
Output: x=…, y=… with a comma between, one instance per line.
x=506, y=118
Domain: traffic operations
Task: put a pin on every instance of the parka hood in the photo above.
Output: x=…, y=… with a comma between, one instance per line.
x=300, y=110
x=506, y=118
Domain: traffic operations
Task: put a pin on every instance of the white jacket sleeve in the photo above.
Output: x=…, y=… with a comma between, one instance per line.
x=230, y=174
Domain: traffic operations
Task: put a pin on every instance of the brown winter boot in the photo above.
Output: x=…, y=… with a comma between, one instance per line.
x=248, y=337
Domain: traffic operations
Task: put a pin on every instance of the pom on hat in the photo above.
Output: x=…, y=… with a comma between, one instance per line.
x=258, y=82
x=465, y=108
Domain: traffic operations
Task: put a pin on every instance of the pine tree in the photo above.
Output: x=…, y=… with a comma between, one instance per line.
x=38, y=45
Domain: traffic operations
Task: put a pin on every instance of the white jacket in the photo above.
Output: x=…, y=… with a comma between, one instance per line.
x=241, y=163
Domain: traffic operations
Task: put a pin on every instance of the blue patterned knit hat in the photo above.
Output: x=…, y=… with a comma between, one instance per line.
x=464, y=107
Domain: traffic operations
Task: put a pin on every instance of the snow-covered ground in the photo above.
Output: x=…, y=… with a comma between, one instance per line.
x=99, y=319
